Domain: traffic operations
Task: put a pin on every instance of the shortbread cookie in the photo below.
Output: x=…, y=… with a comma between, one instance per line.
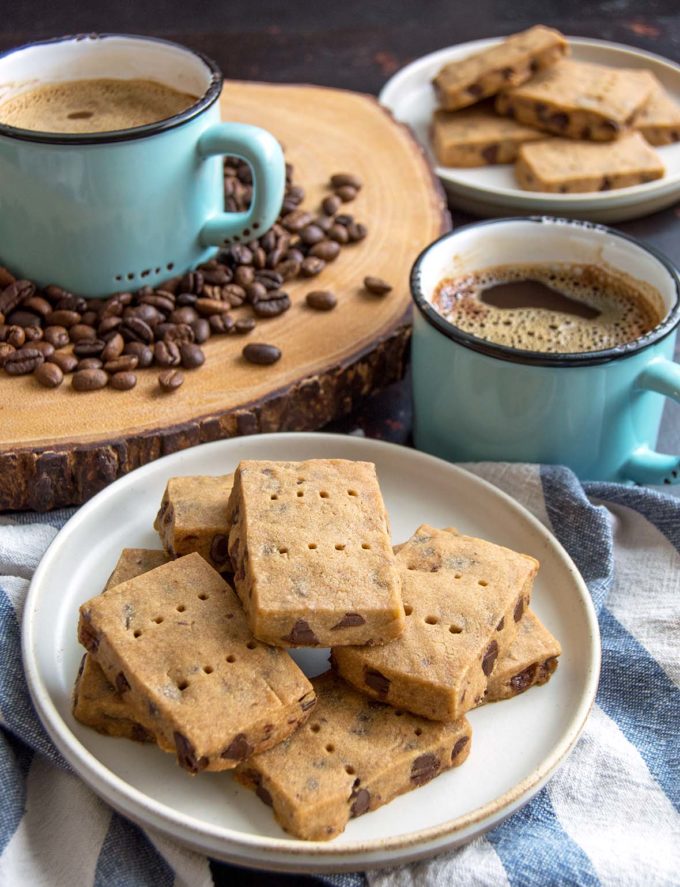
x=463, y=599
x=175, y=643
x=579, y=100
x=193, y=517
x=96, y=702
x=531, y=660
x=508, y=63
x=659, y=118
x=566, y=167
x=478, y=137
x=352, y=756
x=311, y=551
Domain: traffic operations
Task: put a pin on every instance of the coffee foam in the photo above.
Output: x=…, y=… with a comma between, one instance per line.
x=626, y=310
x=81, y=106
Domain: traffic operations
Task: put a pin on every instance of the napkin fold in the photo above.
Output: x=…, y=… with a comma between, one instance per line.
x=610, y=815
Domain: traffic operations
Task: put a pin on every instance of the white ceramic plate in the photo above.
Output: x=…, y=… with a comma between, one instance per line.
x=492, y=190
x=516, y=744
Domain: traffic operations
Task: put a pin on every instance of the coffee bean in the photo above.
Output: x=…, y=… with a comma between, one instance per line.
x=6, y=277
x=218, y=276
x=123, y=364
x=294, y=255
x=261, y=353
x=331, y=205
x=170, y=380
x=15, y=293
x=134, y=329
x=164, y=303
x=206, y=307
x=244, y=325
x=201, y=329
x=13, y=335
x=339, y=234
x=123, y=381
x=23, y=318
x=311, y=234
x=256, y=291
x=49, y=375
x=185, y=314
x=178, y=332
x=297, y=220
x=147, y=313
x=89, y=318
x=38, y=306
x=328, y=250
x=167, y=354
x=272, y=305
x=312, y=266
x=5, y=350
x=259, y=258
x=90, y=363
x=186, y=300
x=108, y=325
x=192, y=355
x=321, y=300
x=88, y=347
x=271, y=280
x=113, y=348
x=192, y=282
x=234, y=294
x=63, y=318
x=240, y=254
x=343, y=179
x=33, y=333
x=66, y=362
x=23, y=361
x=346, y=193
x=81, y=331
x=377, y=286
x=46, y=349
x=289, y=268
x=221, y=323
x=142, y=352
x=57, y=336
x=356, y=232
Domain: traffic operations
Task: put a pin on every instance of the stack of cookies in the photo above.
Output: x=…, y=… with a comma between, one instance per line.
x=501, y=105
x=418, y=635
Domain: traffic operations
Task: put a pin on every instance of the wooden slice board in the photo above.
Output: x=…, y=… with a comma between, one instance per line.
x=59, y=447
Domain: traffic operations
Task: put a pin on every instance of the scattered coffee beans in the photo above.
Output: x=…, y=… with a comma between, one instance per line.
x=321, y=300
x=261, y=353
x=51, y=332
x=377, y=286
x=49, y=375
x=170, y=380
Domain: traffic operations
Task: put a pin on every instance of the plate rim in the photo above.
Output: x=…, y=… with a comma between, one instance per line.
x=137, y=805
x=622, y=197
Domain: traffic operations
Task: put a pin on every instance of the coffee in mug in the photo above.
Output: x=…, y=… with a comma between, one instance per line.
x=99, y=105
x=552, y=307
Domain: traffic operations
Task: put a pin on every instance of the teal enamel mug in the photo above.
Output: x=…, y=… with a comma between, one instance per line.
x=101, y=212
x=598, y=412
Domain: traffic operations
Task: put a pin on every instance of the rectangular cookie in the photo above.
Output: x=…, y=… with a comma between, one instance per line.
x=508, y=63
x=579, y=100
x=566, y=167
x=96, y=703
x=463, y=598
x=659, y=118
x=175, y=643
x=478, y=137
x=193, y=517
x=352, y=756
x=311, y=551
x=531, y=660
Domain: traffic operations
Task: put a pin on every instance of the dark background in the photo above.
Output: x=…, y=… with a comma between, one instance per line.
x=359, y=45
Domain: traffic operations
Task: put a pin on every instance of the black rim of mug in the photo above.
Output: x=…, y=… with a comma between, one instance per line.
x=542, y=358
x=208, y=98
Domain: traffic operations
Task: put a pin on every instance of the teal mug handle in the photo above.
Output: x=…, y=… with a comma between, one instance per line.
x=646, y=466
x=263, y=153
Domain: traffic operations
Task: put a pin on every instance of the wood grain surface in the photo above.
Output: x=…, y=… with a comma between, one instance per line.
x=59, y=447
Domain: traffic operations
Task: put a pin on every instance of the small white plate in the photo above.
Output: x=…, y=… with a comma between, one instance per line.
x=492, y=190
x=516, y=744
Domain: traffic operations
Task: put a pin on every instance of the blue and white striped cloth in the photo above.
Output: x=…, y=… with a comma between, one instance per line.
x=610, y=816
